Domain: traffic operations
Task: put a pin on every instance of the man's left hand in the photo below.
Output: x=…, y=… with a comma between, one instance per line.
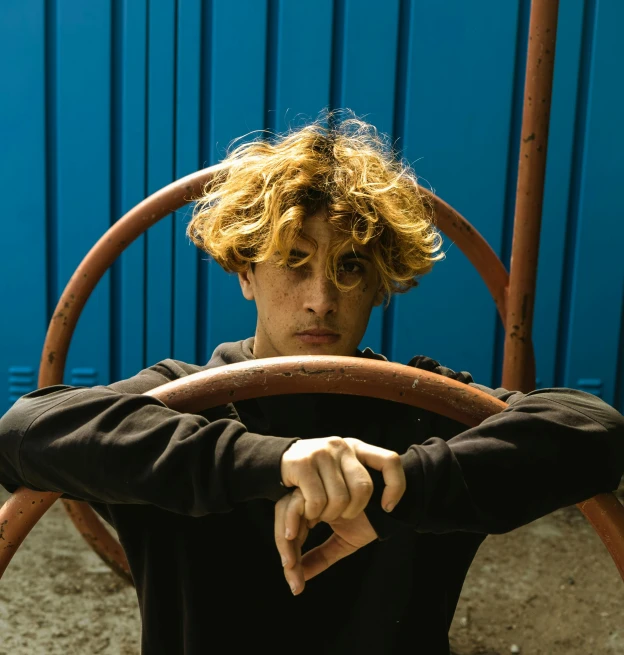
x=349, y=536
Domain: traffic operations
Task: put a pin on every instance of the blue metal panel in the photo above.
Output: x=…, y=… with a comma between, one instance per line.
x=160, y=172
x=186, y=161
x=364, y=81
x=598, y=279
x=81, y=155
x=300, y=62
x=23, y=192
x=422, y=70
x=457, y=119
x=557, y=189
x=237, y=94
x=367, y=68
x=129, y=184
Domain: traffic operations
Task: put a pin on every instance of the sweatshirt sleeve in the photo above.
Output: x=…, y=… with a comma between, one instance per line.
x=114, y=445
x=550, y=448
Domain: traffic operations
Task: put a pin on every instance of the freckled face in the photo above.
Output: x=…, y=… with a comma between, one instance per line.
x=301, y=311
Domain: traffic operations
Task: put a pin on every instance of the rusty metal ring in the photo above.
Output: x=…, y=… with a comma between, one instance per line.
x=309, y=374
x=603, y=512
x=129, y=228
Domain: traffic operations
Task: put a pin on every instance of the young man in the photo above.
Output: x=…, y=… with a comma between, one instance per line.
x=320, y=226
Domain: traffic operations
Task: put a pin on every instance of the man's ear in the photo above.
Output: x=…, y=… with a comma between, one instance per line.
x=246, y=285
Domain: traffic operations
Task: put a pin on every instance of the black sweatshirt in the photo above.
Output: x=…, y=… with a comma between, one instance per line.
x=192, y=496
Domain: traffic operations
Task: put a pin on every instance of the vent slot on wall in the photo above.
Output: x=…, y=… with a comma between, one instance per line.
x=591, y=385
x=83, y=377
x=21, y=381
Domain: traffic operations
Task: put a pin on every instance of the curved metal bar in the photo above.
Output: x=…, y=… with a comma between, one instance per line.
x=99, y=538
x=358, y=376
x=99, y=259
x=18, y=516
x=476, y=249
x=148, y=212
x=606, y=515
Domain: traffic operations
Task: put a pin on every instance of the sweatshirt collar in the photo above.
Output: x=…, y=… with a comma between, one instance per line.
x=241, y=351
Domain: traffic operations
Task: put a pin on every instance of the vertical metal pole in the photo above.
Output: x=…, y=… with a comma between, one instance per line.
x=518, y=364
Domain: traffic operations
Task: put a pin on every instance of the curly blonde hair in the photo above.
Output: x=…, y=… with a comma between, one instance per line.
x=255, y=208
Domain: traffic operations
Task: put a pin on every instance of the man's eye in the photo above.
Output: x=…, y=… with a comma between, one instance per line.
x=351, y=268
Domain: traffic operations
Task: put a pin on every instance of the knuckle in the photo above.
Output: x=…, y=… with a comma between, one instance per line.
x=323, y=456
x=340, y=500
x=363, y=488
x=306, y=462
x=335, y=443
x=316, y=504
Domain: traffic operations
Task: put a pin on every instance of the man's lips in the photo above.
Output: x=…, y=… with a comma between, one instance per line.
x=319, y=333
x=318, y=336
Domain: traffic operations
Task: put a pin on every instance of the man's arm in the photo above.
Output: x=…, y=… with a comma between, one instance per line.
x=550, y=448
x=114, y=445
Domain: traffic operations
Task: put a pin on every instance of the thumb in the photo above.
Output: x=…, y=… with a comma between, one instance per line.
x=321, y=557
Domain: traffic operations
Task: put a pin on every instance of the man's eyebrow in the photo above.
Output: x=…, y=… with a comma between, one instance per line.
x=352, y=254
x=355, y=254
x=298, y=253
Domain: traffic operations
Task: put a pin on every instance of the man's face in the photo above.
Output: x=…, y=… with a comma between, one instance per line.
x=300, y=310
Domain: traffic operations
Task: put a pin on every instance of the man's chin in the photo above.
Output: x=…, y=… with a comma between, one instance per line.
x=337, y=348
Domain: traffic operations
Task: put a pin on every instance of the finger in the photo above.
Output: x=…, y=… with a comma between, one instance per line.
x=293, y=515
x=338, y=496
x=294, y=576
x=319, y=559
x=389, y=463
x=313, y=490
x=285, y=548
x=359, y=483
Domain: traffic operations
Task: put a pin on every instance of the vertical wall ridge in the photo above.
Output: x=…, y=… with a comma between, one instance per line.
x=205, y=137
x=337, y=56
x=117, y=45
x=398, y=136
x=270, y=86
x=578, y=155
x=146, y=179
x=515, y=128
x=174, y=216
x=51, y=161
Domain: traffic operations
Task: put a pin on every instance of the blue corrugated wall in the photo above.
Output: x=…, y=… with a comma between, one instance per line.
x=103, y=102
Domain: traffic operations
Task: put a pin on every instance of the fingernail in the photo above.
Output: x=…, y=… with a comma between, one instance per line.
x=389, y=507
x=293, y=588
x=287, y=535
x=283, y=561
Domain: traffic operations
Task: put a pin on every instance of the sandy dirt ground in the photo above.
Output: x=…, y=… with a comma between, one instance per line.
x=549, y=588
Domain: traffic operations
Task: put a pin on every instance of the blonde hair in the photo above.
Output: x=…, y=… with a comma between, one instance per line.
x=254, y=209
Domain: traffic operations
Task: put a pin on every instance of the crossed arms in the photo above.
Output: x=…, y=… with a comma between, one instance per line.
x=113, y=445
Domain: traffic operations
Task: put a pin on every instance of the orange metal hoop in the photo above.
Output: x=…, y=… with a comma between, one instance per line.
x=25, y=507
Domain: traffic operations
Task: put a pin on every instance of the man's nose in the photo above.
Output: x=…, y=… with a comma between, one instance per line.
x=321, y=296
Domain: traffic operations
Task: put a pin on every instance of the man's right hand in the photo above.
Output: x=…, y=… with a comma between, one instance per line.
x=331, y=474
